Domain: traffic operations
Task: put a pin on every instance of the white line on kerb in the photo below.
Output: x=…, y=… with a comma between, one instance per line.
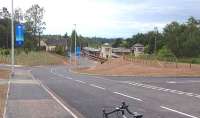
x=127, y=96
x=6, y=102
x=93, y=85
x=54, y=97
x=80, y=81
x=191, y=116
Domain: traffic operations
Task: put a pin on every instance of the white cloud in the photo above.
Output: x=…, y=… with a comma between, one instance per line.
x=107, y=18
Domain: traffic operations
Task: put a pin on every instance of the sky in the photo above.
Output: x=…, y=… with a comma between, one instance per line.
x=110, y=18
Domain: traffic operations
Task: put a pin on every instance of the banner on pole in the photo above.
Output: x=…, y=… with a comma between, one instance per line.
x=19, y=35
x=78, y=51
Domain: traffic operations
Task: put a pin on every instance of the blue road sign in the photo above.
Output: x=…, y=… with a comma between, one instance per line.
x=19, y=35
x=78, y=51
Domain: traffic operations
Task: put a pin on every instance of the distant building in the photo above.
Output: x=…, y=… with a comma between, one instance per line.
x=51, y=44
x=121, y=51
x=138, y=49
x=106, y=51
x=92, y=51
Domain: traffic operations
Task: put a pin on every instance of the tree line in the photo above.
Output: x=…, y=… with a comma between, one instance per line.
x=177, y=39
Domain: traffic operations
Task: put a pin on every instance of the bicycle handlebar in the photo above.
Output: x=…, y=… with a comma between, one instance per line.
x=122, y=109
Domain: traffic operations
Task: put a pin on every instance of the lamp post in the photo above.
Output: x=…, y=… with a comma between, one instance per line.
x=75, y=42
x=12, y=35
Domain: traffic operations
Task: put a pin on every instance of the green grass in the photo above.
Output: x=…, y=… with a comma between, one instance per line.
x=167, y=59
x=34, y=58
x=190, y=60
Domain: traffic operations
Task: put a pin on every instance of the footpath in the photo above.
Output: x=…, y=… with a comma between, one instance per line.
x=27, y=99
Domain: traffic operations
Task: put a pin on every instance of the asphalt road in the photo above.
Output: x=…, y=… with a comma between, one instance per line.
x=86, y=96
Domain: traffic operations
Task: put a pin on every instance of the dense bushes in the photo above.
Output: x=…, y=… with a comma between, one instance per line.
x=60, y=50
x=164, y=52
x=4, y=52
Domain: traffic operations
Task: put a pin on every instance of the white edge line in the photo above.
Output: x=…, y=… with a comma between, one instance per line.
x=54, y=97
x=97, y=86
x=6, y=101
x=80, y=81
x=191, y=116
x=128, y=96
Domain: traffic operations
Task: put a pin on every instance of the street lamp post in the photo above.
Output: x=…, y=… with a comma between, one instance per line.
x=12, y=35
x=75, y=42
x=70, y=53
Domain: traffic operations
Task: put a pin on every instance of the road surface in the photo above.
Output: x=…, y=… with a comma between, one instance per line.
x=86, y=96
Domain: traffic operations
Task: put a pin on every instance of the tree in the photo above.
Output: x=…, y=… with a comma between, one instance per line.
x=117, y=43
x=71, y=42
x=66, y=35
x=4, y=13
x=18, y=15
x=5, y=28
x=183, y=39
x=34, y=18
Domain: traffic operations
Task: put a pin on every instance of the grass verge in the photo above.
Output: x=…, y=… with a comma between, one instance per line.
x=35, y=58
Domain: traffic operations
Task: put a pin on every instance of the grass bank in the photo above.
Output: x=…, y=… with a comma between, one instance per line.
x=34, y=58
x=191, y=60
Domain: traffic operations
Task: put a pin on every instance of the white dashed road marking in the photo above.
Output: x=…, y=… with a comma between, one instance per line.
x=182, y=82
x=60, y=75
x=93, y=85
x=80, y=81
x=128, y=96
x=191, y=116
x=164, y=89
x=189, y=94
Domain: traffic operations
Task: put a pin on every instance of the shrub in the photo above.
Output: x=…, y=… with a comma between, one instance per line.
x=195, y=60
x=164, y=52
x=4, y=52
x=60, y=50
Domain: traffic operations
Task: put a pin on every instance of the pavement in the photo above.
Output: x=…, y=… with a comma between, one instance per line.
x=55, y=92
x=28, y=99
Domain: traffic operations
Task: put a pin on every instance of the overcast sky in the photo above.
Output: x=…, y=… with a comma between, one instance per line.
x=110, y=18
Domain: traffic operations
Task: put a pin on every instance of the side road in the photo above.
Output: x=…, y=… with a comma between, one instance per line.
x=27, y=98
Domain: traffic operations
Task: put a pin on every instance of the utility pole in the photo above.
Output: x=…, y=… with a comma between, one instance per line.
x=12, y=35
x=155, y=45
x=75, y=42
